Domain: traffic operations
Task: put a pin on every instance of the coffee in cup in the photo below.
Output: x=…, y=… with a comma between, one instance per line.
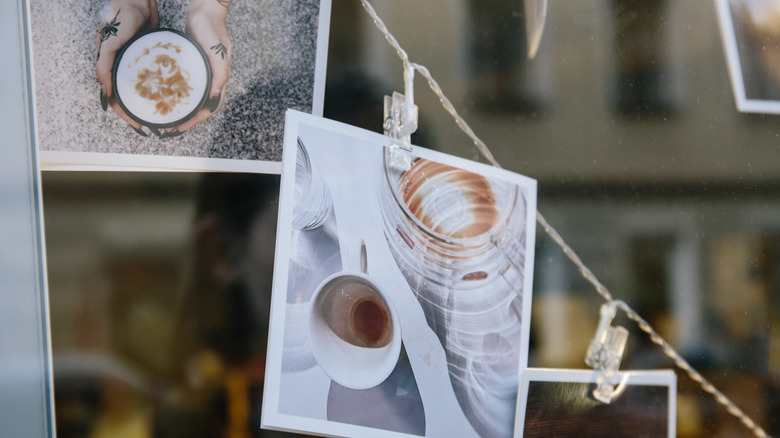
x=356, y=312
x=161, y=78
x=354, y=329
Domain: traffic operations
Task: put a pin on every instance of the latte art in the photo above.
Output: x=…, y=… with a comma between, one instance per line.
x=163, y=82
x=161, y=78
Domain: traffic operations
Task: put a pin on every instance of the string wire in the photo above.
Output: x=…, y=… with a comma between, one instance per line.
x=586, y=273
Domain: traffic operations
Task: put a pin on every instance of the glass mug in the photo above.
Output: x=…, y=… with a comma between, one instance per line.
x=459, y=240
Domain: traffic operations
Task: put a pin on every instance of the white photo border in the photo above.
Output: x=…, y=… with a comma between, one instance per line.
x=90, y=161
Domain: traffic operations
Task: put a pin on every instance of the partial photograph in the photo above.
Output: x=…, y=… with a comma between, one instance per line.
x=159, y=290
x=560, y=403
x=402, y=296
x=747, y=28
x=173, y=78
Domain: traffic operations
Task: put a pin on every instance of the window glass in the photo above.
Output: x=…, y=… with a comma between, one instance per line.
x=626, y=118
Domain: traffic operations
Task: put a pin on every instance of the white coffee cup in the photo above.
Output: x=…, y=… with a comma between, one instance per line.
x=354, y=329
x=161, y=78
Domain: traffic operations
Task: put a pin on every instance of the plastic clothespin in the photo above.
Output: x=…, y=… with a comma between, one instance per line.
x=605, y=354
x=401, y=122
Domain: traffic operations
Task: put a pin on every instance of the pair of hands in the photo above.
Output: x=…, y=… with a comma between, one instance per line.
x=205, y=24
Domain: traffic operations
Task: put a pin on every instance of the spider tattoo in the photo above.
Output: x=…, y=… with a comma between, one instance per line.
x=219, y=49
x=109, y=29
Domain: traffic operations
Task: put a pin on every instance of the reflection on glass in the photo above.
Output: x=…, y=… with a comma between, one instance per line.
x=500, y=79
x=567, y=409
x=160, y=292
x=641, y=82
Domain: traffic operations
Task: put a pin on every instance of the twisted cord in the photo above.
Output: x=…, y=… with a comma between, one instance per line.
x=481, y=146
x=586, y=273
x=683, y=364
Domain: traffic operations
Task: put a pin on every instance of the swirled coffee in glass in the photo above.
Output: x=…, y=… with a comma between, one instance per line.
x=459, y=238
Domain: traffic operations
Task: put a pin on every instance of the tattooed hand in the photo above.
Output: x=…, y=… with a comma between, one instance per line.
x=206, y=24
x=128, y=18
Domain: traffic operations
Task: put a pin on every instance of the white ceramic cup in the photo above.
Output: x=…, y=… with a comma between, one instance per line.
x=354, y=329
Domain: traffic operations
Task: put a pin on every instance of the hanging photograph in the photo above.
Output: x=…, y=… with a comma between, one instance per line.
x=171, y=83
x=560, y=403
x=750, y=30
x=401, y=298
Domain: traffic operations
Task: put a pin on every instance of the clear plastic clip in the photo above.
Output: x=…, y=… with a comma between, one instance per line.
x=401, y=122
x=605, y=353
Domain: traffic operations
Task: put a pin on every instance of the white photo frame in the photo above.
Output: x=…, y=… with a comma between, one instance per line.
x=755, y=84
x=557, y=397
x=72, y=132
x=299, y=393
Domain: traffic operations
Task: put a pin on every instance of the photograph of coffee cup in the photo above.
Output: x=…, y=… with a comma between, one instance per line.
x=417, y=289
x=354, y=329
x=161, y=78
x=264, y=57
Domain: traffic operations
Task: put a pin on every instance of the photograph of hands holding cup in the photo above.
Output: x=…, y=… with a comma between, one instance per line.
x=131, y=77
x=161, y=79
x=401, y=304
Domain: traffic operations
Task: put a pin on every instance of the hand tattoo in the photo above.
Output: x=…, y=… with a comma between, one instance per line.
x=219, y=49
x=107, y=31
